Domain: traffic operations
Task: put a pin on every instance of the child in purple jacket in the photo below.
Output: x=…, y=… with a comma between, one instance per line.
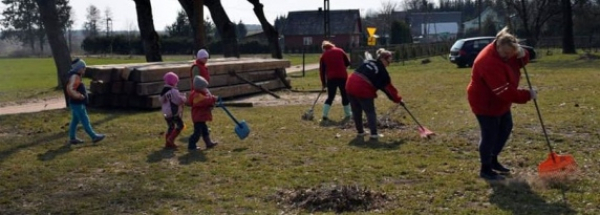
x=172, y=102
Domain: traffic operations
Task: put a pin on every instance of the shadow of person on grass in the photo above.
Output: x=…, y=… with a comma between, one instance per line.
x=516, y=196
x=160, y=154
x=53, y=153
x=365, y=142
x=334, y=123
x=191, y=157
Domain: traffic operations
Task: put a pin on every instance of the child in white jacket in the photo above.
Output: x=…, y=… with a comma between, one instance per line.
x=172, y=108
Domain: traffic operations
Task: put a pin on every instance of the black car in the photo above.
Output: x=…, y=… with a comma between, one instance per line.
x=464, y=51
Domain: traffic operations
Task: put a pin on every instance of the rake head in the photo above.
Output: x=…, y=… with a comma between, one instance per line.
x=308, y=115
x=425, y=133
x=556, y=165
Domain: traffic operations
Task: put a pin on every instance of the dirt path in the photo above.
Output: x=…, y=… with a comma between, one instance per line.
x=259, y=100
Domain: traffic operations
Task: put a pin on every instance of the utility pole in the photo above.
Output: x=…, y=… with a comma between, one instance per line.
x=479, y=17
x=326, y=32
x=108, y=20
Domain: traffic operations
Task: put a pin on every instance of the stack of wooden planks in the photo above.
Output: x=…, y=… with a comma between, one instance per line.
x=139, y=85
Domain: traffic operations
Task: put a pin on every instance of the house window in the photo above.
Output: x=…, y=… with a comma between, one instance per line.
x=308, y=41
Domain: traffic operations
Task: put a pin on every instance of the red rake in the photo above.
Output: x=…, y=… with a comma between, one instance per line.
x=554, y=164
x=424, y=132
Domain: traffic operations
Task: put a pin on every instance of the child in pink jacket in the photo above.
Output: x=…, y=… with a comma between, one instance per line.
x=172, y=102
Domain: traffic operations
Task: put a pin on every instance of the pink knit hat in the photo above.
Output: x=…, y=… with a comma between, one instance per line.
x=171, y=79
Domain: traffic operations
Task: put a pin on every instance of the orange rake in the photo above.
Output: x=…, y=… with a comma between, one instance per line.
x=424, y=132
x=554, y=164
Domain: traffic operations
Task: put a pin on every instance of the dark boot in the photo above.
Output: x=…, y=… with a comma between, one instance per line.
x=487, y=173
x=171, y=139
x=496, y=166
x=209, y=143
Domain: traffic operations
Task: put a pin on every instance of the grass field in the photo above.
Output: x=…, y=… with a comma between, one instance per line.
x=129, y=173
x=25, y=79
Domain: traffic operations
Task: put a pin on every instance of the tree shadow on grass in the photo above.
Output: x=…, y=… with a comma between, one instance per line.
x=191, y=157
x=365, y=142
x=516, y=196
x=160, y=154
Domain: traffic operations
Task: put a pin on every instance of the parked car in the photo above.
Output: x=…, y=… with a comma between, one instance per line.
x=464, y=51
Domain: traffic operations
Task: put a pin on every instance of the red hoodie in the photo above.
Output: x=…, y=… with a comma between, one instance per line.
x=202, y=103
x=494, y=83
x=333, y=64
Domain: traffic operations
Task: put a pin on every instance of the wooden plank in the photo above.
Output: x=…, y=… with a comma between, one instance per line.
x=255, y=85
x=144, y=89
x=228, y=80
x=154, y=73
x=225, y=92
x=116, y=87
x=99, y=87
x=99, y=100
x=129, y=87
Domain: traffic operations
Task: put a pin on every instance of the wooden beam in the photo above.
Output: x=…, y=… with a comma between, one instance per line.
x=225, y=92
x=254, y=85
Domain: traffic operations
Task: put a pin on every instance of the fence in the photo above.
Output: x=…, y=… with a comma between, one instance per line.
x=581, y=42
x=403, y=52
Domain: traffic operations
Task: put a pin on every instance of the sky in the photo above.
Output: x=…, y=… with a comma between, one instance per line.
x=165, y=11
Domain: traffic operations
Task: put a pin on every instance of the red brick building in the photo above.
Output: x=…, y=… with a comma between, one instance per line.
x=305, y=28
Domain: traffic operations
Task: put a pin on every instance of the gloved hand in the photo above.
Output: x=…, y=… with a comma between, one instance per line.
x=520, y=52
x=533, y=94
x=399, y=101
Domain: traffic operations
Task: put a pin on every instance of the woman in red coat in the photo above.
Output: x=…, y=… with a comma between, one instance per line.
x=491, y=92
x=332, y=71
x=362, y=89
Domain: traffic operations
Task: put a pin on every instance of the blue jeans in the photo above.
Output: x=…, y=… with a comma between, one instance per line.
x=495, y=131
x=79, y=114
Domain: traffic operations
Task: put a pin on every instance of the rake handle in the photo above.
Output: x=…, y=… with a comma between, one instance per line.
x=537, y=109
x=220, y=104
x=316, y=100
x=412, y=116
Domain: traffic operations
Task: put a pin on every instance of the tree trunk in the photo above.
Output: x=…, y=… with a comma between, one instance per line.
x=225, y=27
x=199, y=34
x=194, y=9
x=270, y=32
x=568, y=46
x=147, y=32
x=58, y=44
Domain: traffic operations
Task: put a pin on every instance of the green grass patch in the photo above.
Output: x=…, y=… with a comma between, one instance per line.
x=129, y=173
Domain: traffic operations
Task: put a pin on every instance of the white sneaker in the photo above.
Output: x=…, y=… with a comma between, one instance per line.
x=361, y=134
x=375, y=136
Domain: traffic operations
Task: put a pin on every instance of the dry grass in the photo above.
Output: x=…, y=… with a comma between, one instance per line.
x=129, y=173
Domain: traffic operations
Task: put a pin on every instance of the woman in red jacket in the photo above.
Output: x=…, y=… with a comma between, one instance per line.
x=332, y=71
x=362, y=89
x=491, y=92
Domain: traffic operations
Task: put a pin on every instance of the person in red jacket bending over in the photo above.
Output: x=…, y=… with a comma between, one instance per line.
x=362, y=89
x=333, y=75
x=491, y=92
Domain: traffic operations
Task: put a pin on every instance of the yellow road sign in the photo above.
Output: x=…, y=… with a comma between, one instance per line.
x=371, y=31
x=372, y=41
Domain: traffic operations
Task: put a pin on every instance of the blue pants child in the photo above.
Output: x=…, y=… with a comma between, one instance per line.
x=79, y=114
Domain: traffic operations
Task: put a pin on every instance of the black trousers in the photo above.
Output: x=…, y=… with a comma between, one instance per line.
x=359, y=105
x=495, y=131
x=332, y=86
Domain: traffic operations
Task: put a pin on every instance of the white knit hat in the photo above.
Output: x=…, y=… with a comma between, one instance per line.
x=202, y=54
